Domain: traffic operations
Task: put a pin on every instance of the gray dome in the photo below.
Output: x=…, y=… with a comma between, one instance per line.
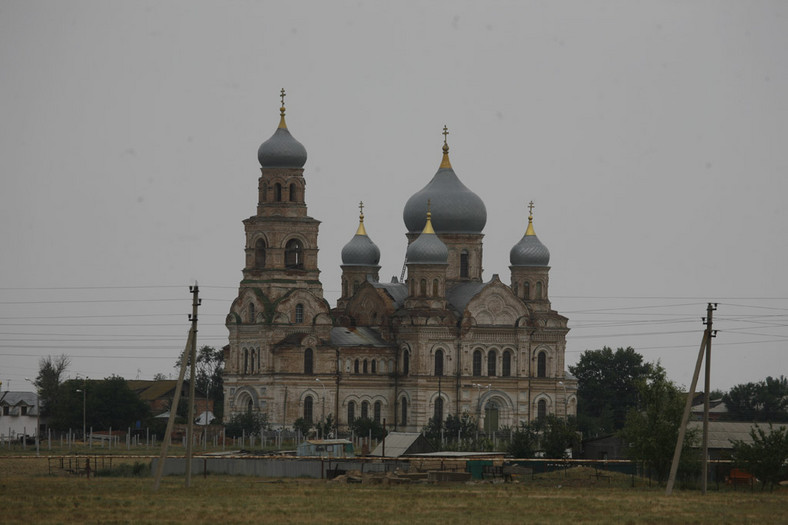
x=360, y=251
x=529, y=251
x=456, y=209
x=427, y=248
x=282, y=150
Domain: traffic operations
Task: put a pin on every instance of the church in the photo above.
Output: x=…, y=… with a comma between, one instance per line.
x=440, y=342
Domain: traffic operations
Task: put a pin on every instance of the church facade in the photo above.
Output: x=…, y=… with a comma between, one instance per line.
x=442, y=342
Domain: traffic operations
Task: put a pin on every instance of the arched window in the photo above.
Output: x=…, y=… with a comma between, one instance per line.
x=259, y=254
x=404, y=411
x=405, y=363
x=377, y=411
x=506, y=367
x=344, y=287
x=438, y=413
x=538, y=294
x=253, y=360
x=464, y=263
x=477, y=362
x=364, y=410
x=355, y=367
x=365, y=366
x=292, y=193
x=423, y=287
x=526, y=290
x=299, y=313
x=491, y=358
x=251, y=312
x=541, y=364
x=355, y=287
x=246, y=360
x=541, y=409
x=308, y=361
x=263, y=192
x=435, y=288
x=278, y=192
x=439, y=362
x=294, y=254
x=249, y=406
x=308, y=409
x=373, y=366
x=351, y=412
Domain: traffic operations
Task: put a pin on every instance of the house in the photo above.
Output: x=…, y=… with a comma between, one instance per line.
x=18, y=414
x=397, y=444
x=158, y=394
x=723, y=433
x=327, y=448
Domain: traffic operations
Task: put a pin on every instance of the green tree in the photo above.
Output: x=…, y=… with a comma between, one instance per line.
x=557, y=436
x=361, y=427
x=524, y=442
x=246, y=423
x=607, y=387
x=326, y=426
x=209, y=370
x=764, y=401
x=652, y=429
x=109, y=403
x=302, y=425
x=48, y=381
x=766, y=457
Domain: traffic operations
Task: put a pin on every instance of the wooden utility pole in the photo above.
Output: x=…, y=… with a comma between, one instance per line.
x=705, y=347
x=189, y=350
x=195, y=290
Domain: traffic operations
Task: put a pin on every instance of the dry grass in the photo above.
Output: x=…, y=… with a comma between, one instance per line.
x=29, y=494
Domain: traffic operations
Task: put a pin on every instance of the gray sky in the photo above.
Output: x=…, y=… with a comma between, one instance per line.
x=651, y=136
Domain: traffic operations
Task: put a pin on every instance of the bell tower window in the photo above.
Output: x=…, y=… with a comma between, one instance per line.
x=464, y=264
x=292, y=193
x=259, y=254
x=278, y=192
x=299, y=313
x=294, y=254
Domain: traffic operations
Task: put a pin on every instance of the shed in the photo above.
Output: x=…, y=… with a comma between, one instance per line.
x=326, y=448
x=721, y=433
x=398, y=444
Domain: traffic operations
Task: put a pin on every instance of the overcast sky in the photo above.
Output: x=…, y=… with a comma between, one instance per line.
x=650, y=135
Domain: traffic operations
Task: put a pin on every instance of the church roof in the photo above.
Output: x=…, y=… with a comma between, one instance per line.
x=456, y=209
x=529, y=251
x=397, y=291
x=360, y=251
x=461, y=294
x=427, y=248
x=357, y=336
x=282, y=150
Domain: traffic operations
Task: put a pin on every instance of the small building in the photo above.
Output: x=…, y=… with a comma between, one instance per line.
x=327, y=448
x=18, y=414
x=723, y=433
x=158, y=394
x=397, y=444
x=604, y=447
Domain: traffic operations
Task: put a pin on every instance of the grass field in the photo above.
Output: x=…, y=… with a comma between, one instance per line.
x=29, y=494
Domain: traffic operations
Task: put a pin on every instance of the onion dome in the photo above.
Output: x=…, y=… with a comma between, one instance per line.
x=427, y=248
x=457, y=209
x=529, y=251
x=282, y=150
x=360, y=251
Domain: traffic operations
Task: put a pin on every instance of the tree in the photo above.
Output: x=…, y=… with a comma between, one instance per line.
x=109, y=403
x=326, y=426
x=766, y=457
x=765, y=401
x=362, y=426
x=302, y=425
x=247, y=423
x=557, y=436
x=209, y=367
x=651, y=430
x=524, y=442
x=607, y=387
x=50, y=376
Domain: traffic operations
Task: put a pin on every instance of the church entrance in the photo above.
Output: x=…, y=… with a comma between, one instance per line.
x=491, y=417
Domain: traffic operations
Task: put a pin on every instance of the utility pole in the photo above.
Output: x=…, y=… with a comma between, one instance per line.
x=191, y=345
x=195, y=291
x=705, y=347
